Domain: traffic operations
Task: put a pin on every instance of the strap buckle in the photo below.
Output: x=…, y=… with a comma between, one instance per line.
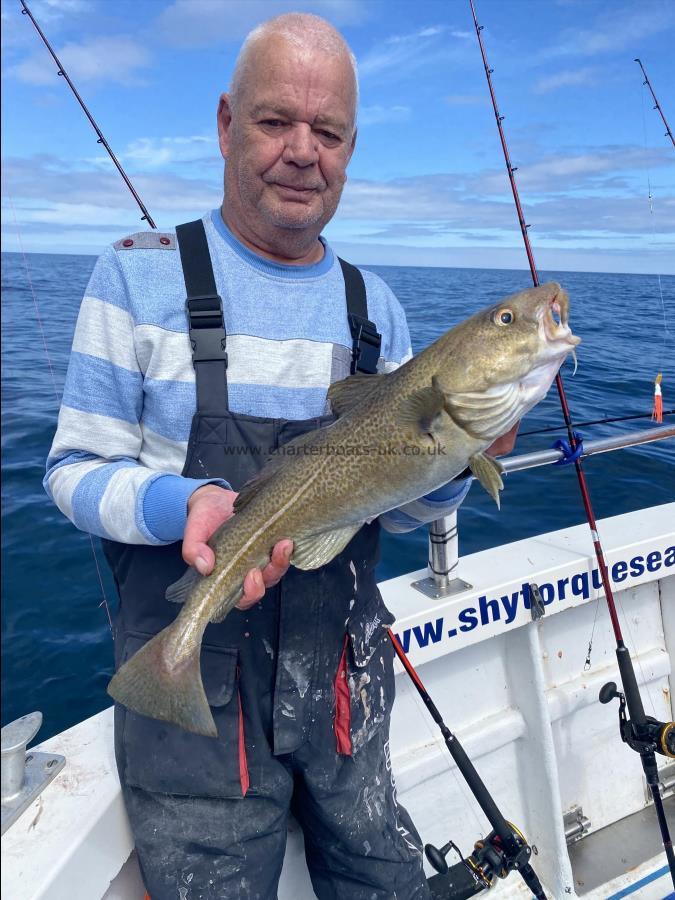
x=206, y=328
x=366, y=346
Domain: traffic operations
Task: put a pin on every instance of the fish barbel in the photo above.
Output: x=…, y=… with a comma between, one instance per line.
x=397, y=436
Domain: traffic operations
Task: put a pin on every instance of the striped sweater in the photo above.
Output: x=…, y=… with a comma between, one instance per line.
x=129, y=397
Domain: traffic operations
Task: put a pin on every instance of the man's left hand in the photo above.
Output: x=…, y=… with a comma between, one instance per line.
x=505, y=443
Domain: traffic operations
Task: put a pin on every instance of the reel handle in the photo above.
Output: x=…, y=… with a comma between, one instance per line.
x=436, y=856
x=608, y=692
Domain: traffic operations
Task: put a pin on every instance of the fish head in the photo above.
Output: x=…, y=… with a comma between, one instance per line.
x=511, y=352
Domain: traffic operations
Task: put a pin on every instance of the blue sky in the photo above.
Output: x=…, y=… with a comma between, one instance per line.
x=427, y=183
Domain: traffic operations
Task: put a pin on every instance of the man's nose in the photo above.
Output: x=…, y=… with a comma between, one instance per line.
x=302, y=146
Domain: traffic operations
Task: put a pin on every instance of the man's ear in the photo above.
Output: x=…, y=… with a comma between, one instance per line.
x=224, y=118
x=352, y=145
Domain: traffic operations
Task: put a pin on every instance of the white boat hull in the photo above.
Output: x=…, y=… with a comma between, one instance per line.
x=515, y=692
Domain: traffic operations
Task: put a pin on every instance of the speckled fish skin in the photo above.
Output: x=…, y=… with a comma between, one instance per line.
x=397, y=437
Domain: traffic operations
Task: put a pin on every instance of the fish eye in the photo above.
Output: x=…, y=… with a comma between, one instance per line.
x=503, y=317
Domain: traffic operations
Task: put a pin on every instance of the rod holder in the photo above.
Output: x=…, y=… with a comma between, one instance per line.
x=443, y=580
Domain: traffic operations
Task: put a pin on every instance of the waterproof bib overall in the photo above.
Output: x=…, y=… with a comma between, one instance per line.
x=300, y=685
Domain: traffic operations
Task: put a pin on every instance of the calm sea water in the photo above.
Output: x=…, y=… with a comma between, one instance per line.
x=57, y=650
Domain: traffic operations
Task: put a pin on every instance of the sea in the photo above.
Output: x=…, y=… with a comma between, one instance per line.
x=56, y=641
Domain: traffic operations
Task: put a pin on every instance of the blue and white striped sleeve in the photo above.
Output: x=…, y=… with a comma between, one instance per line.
x=93, y=474
x=426, y=509
x=396, y=349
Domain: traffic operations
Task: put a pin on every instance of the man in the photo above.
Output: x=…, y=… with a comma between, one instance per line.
x=164, y=418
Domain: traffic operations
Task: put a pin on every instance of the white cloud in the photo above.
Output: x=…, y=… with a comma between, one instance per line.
x=401, y=52
x=380, y=115
x=598, y=168
x=566, y=78
x=615, y=29
x=457, y=203
x=49, y=11
x=201, y=23
x=152, y=153
x=112, y=59
x=583, y=199
x=57, y=8
x=17, y=30
x=48, y=188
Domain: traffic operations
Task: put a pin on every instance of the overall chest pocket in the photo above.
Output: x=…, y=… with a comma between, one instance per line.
x=368, y=665
x=162, y=758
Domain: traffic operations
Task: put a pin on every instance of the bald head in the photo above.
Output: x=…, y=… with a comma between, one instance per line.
x=307, y=35
x=287, y=130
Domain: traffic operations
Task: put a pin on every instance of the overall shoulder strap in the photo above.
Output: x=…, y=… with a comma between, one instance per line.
x=206, y=325
x=365, y=338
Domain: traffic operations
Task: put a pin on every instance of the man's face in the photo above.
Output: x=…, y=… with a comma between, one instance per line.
x=288, y=139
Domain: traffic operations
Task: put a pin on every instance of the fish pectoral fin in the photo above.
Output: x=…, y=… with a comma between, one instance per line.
x=489, y=472
x=179, y=591
x=345, y=394
x=318, y=549
x=422, y=409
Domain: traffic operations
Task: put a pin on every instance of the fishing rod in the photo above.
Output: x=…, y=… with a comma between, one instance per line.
x=553, y=428
x=504, y=850
x=668, y=133
x=640, y=732
x=146, y=217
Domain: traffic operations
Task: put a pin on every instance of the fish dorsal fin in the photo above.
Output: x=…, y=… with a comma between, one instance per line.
x=420, y=410
x=254, y=485
x=489, y=472
x=486, y=414
x=274, y=462
x=318, y=549
x=345, y=394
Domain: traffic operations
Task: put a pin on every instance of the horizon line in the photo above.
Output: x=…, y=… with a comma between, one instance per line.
x=401, y=266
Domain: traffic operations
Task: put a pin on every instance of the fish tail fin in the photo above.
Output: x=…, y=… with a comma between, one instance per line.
x=149, y=685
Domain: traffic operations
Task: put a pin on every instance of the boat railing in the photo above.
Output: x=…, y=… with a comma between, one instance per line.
x=443, y=576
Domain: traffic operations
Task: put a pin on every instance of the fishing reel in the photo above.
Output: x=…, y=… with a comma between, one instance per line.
x=489, y=860
x=653, y=736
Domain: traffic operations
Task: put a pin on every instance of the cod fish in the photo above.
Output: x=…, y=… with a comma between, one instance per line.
x=397, y=436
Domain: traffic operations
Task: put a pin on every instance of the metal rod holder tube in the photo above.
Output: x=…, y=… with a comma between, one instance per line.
x=591, y=448
x=443, y=549
x=442, y=580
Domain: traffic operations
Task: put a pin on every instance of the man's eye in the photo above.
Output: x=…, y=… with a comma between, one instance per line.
x=272, y=123
x=328, y=135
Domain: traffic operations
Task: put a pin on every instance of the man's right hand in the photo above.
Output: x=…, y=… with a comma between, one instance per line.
x=208, y=507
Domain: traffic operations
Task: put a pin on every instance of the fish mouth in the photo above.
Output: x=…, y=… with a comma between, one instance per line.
x=553, y=321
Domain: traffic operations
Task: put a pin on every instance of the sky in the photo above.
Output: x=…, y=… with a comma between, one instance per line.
x=427, y=183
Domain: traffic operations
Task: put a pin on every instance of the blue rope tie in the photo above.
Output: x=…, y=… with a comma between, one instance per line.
x=569, y=455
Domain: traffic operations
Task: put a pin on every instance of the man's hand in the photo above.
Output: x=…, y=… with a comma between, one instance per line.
x=208, y=508
x=505, y=443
